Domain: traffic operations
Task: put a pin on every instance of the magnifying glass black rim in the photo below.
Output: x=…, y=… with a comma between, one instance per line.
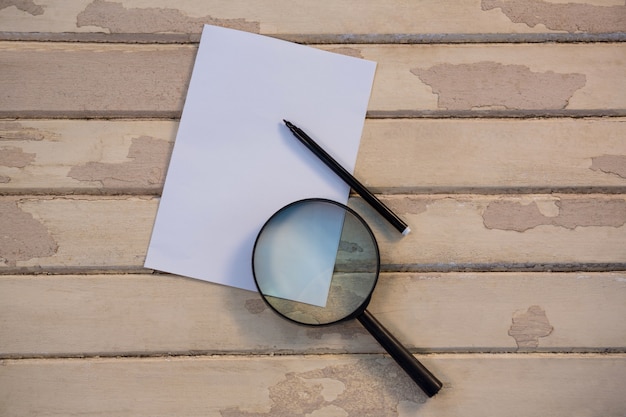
x=357, y=311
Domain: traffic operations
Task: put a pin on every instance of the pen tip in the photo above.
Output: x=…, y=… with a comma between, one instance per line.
x=287, y=122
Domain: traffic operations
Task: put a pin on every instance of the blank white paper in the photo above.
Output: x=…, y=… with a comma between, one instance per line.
x=235, y=163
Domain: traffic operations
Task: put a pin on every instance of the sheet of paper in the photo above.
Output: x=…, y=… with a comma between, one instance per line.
x=234, y=163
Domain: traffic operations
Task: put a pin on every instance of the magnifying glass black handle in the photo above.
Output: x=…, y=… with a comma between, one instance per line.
x=418, y=372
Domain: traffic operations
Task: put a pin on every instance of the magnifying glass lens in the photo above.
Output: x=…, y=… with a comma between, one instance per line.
x=316, y=262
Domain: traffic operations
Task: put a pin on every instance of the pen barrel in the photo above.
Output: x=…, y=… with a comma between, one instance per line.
x=349, y=179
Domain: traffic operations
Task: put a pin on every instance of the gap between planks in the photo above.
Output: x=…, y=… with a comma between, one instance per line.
x=174, y=115
x=172, y=356
x=326, y=39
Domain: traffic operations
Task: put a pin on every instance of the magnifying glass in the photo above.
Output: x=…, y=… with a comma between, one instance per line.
x=316, y=262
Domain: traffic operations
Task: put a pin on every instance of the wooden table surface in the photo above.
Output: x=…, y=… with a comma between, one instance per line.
x=497, y=128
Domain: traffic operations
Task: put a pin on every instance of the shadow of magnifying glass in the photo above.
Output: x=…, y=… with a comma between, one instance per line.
x=316, y=262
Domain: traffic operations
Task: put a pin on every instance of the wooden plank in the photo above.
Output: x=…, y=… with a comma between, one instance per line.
x=154, y=80
x=502, y=232
x=64, y=233
x=474, y=385
x=489, y=156
x=78, y=156
x=161, y=20
x=111, y=315
x=450, y=232
x=484, y=156
x=413, y=80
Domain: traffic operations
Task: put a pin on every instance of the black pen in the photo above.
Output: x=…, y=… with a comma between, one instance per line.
x=349, y=179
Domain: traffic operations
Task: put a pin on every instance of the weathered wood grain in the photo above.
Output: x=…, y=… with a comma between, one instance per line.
x=113, y=315
x=484, y=156
x=105, y=79
x=393, y=21
x=79, y=156
x=429, y=156
x=354, y=386
x=450, y=232
x=49, y=79
x=104, y=233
